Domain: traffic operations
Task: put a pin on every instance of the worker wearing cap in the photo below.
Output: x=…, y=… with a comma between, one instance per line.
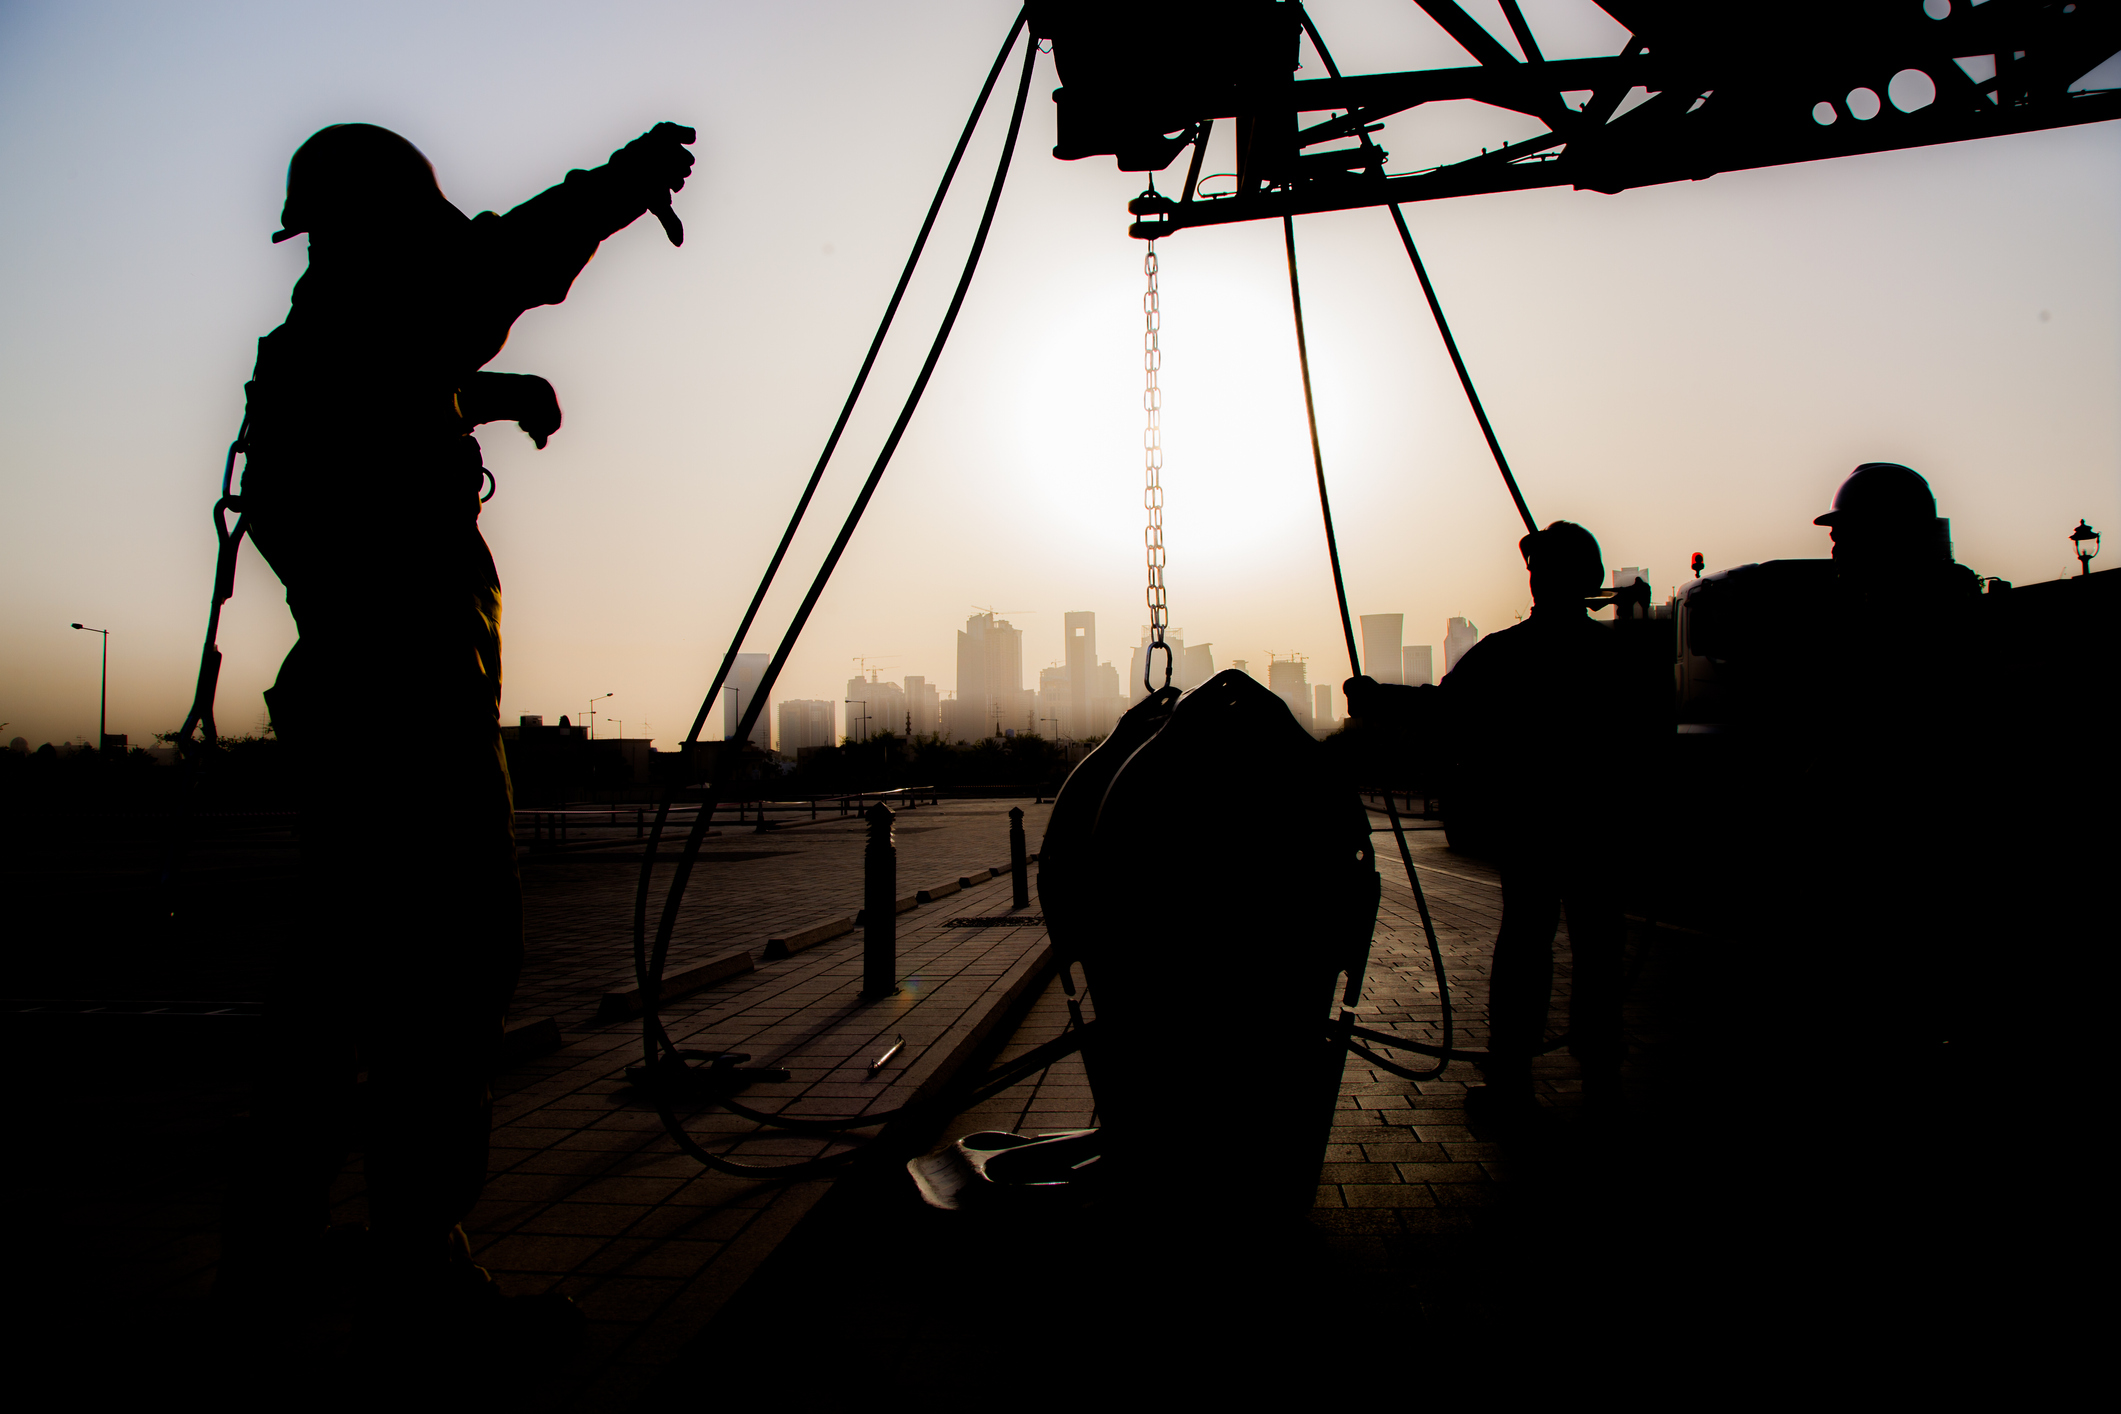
x=1888, y=720
x=1545, y=724
x=362, y=489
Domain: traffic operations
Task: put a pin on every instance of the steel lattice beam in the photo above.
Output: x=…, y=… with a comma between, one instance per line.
x=1730, y=88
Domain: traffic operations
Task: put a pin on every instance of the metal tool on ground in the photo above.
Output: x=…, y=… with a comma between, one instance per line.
x=885, y=1059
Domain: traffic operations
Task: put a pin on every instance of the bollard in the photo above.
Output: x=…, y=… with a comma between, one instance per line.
x=879, y=907
x=1019, y=866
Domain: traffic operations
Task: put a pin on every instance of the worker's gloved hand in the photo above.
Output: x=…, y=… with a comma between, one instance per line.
x=657, y=161
x=1365, y=696
x=522, y=398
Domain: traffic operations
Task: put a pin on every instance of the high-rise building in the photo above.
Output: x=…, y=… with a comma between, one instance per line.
x=1287, y=678
x=1381, y=635
x=1321, y=707
x=1196, y=665
x=990, y=677
x=1107, y=701
x=921, y=707
x=1458, y=636
x=874, y=708
x=745, y=674
x=1417, y=664
x=1056, y=711
x=806, y=724
x=1079, y=632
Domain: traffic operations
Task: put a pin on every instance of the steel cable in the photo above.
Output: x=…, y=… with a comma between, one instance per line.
x=650, y=974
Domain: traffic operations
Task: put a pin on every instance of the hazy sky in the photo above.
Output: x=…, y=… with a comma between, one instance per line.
x=1687, y=367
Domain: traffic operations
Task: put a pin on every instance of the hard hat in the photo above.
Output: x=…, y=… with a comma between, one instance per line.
x=354, y=168
x=1883, y=493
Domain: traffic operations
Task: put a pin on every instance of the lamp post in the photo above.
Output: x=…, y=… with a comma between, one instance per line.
x=103, y=692
x=593, y=714
x=2084, y=540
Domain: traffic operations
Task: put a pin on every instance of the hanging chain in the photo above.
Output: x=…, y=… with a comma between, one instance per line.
x=1153, y=472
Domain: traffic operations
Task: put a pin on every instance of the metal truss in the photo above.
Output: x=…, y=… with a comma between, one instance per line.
x=1717, y=87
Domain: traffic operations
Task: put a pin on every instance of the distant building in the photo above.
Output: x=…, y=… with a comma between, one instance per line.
x=806, y=724
x=1458, y=636
x=745, y=675
x=922, y=702
x=1107, y=701
x=874, y=708
x=1321, y=708
x=1079, y=641
x=1240, y=665
x=1287, y=678
x=1056, y=711
x=1381, y=634
x=1417, y=664
x=990, y=678
x=1196, y=665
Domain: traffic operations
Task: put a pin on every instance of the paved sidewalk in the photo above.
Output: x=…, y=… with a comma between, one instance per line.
x=1393, y=1278
x=588, y=1196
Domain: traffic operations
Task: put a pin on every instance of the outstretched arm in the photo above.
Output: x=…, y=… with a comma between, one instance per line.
x=539, y=247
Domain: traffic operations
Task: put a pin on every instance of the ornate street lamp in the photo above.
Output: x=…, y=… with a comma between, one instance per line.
x=2085, y=541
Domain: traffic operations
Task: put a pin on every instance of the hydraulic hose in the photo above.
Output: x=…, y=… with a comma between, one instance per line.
x=650, y=970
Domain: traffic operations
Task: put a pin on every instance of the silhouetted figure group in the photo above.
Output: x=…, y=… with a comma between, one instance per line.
x=362, y=490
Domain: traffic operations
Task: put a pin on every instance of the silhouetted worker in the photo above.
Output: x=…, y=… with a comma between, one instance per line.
x=1890, y=730
x=362, y=490
x=1541, y=717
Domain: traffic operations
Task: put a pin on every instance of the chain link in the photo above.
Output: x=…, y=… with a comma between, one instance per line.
x=1153, y=470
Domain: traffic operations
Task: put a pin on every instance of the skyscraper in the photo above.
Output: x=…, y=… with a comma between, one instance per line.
x=921, y=706
x=1418, y=664
x=1321, y=707
x=744, y=677
x=1458, y=636
x=874, y=708
x=990, y=677
x=1056, y=712
x=1080, y=643
x=1381, y=635
x=806, y=724
x=1286, y=679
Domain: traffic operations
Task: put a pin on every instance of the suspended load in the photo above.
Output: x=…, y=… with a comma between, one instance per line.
x=1213, y=876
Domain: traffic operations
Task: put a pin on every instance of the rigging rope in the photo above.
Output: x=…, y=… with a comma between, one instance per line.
x=1347, y=628
x=817, y=473
x=1443, y=326
x=649, y=970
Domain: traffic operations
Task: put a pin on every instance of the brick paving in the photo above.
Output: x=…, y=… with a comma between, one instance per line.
x=588, y=1195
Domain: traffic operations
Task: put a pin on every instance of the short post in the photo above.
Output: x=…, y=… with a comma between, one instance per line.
x=1019, y=865
x=879, y=907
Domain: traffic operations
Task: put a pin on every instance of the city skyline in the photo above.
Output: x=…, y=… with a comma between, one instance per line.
x=1692, y=367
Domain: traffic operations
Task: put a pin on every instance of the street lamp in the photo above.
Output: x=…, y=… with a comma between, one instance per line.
x=103, y=694
x=2084, y=540
x=593, y=713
